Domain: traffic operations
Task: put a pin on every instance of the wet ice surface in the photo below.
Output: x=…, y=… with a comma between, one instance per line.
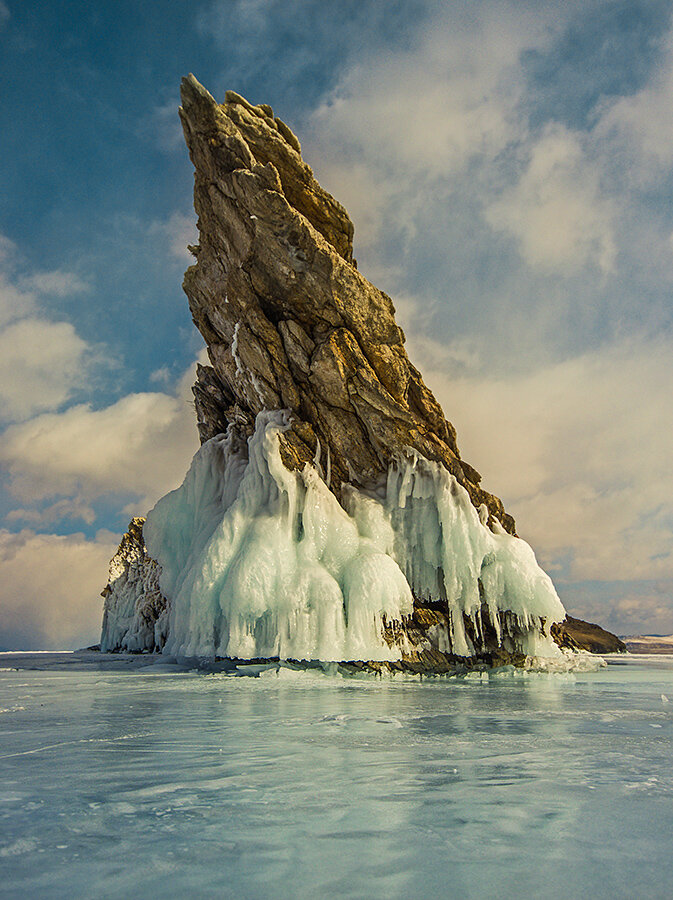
x=119, y=777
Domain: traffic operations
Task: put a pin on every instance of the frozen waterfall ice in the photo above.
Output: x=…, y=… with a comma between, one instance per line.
x=259, y=561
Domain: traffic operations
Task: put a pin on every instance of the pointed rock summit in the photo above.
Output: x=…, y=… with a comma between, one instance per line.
x=289, y=321
x=328, y=514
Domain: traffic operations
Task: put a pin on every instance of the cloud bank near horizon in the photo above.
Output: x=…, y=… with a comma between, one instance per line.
x=508, y=167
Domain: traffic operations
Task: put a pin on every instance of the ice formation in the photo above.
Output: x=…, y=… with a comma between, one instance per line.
x=329, y=514
x=259, y=562
x=135, y=615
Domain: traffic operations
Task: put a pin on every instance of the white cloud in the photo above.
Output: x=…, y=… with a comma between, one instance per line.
x=50, y=589
x=41, y=365
x=55, y=512
x=15, y=303
x=644, y=121
x=161, y=375
x=139, y=446
x=57, y=283
x=178, y=231
x=556, y=211
x=430, y=118
x=580, y=452
x=399, y=127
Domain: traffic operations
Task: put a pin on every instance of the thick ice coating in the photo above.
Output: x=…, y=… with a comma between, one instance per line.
x=135, y=614
x=258, y=561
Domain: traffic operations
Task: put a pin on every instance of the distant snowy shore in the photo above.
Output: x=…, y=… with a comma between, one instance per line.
x=649, y=643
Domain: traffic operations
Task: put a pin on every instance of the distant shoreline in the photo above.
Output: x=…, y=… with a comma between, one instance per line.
x=649, y=643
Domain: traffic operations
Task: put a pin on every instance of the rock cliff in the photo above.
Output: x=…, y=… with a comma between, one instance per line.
x=135, y=615
x=577, y=634
x=289, y=321
x=329, y=511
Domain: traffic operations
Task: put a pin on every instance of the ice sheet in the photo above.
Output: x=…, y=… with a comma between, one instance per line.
x=120, y=781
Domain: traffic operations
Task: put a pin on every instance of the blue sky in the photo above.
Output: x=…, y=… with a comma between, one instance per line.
x=509, y=168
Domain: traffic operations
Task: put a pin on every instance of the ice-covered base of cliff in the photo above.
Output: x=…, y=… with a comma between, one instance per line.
x=135, y=616
x=258, y=562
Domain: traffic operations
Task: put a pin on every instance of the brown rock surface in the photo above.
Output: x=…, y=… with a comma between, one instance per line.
x=578, y=635
x=288, y=320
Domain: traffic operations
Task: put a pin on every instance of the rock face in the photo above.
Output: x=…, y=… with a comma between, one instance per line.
x=329, y=514
x=135, y=615
x=576, y=634
x=289, y=321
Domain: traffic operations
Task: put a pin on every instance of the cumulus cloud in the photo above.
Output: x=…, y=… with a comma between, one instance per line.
x=54, y=512
x=138, y=447
x=178, y=231
x=41, y=365
x=399, y=126
x=429, y=118
x=59, y=463
x=440, y=155
x=556, y=211
x=580, y=452
x=51, y=589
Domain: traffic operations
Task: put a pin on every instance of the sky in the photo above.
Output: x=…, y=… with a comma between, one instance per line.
x=509, y=170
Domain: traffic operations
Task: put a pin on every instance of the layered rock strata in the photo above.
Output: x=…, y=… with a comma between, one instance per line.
x=289, y=321
x=576, y=634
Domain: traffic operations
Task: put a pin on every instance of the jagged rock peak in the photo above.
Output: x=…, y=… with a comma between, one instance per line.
x=135, y=616
x=328, y=515
x=238, y=132
x=288, y=320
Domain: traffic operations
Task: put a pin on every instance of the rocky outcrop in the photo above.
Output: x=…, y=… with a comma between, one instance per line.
x=288, y=320
x=575, y=634
x=329, y=514
x=135, y=614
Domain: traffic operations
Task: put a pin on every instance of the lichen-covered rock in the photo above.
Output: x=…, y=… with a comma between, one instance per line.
x=135, y=615
x=288, y=320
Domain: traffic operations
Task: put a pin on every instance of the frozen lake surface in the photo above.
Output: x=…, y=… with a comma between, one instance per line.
x=120, y=777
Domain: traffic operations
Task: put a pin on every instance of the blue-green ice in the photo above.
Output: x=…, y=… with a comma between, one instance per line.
x=132, y=776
